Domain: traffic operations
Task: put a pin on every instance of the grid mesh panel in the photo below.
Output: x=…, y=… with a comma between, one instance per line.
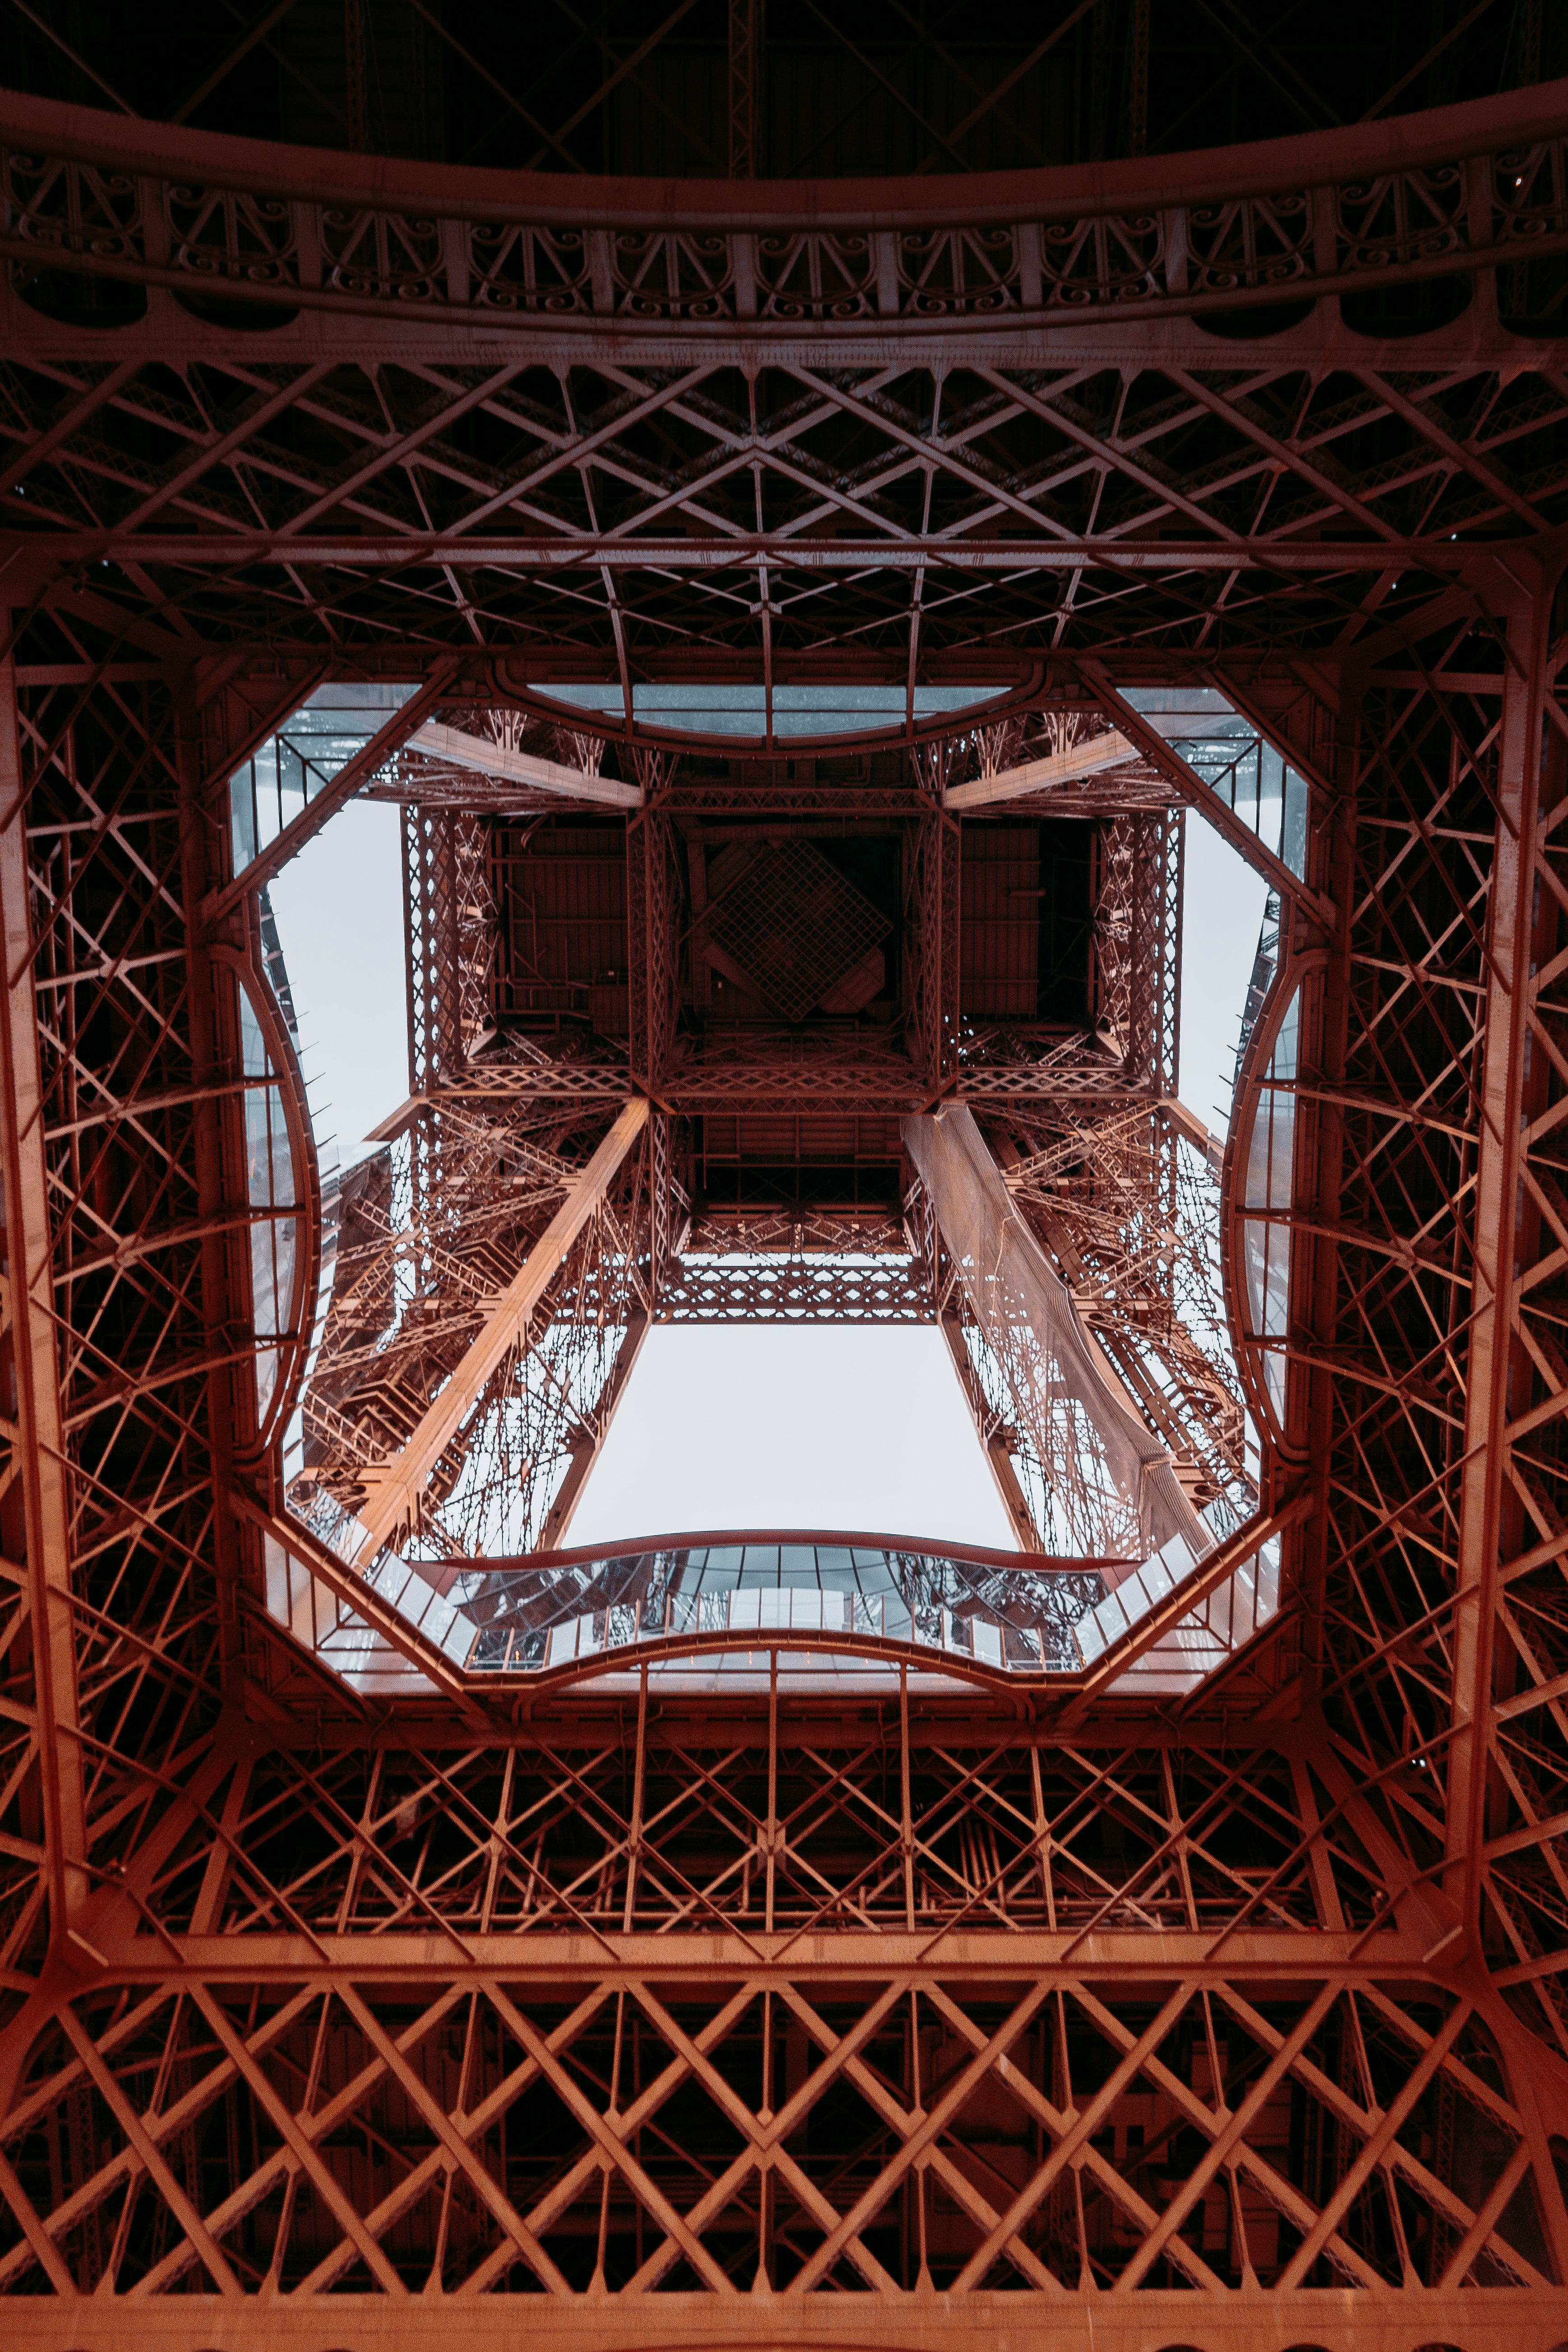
x=795, y=925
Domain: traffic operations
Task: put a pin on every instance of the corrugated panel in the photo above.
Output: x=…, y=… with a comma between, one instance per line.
x=999, y=962
x=564, y=917
x=782, y=1140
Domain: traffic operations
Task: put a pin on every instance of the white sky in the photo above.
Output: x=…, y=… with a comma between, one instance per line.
x=339, y=906
x=862, y=1428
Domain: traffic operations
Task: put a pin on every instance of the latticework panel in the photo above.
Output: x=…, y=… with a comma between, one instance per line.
x=417, y=1275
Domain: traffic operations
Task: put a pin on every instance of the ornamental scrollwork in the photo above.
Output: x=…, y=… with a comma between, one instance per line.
x=95, y=217
x=948, y=271
x=815, y=274
x=523, y=268
x=1401, y=217
x=1251, y=242
x=223, y=233
x=1112, y=258
x=75, y=208
x=674, y=274
x=1530, y=191
x=387, y=256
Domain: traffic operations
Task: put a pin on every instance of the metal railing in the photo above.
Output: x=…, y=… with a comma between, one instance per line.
x=1462, y=188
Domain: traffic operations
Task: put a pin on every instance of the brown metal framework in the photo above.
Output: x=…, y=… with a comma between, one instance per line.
x=888, y=2013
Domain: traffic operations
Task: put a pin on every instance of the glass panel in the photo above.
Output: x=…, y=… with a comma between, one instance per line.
x=798, y=710
x=1270, y=1184
x=1020, y=1616
x=1224, y=751
x=285, y=772
x=270, y=1187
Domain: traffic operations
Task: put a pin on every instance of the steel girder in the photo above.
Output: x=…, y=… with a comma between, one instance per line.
x=676, y=2011
x=505, y=441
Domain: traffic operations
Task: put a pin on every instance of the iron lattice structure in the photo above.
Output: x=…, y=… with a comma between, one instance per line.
x=1229, y=2015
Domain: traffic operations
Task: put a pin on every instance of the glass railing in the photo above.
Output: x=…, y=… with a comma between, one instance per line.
x=1224, y=751
x=731, y=1609
x=797, y=711
x=1246, y=1599
x=1269, y=1187
x=284, y=775
x=1014, y=1617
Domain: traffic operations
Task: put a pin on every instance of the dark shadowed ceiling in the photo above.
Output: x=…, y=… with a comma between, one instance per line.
x=857, y=87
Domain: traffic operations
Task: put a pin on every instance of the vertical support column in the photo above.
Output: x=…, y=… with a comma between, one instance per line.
x=1148, y=950
x=639, y=1013
x=937, y=904
x=434, y=1004
x=950, y=945
x=435, y=963
x=226, y=1300
x=660, y=1221
x=1112, y=995
x=745, y=89
x=1320, y=1155
x=771, y=1826
x=1174, y=883
x=906, y=1808
x=1497, y=1165
x=650, y=946
x=1138, y=76
x=474, y=929
x=39, y=1441
x=634, y=1838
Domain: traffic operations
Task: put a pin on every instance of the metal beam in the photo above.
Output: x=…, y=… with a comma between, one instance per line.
x=558, y=1518
x=1086, y=759
x=1113, y=1482
x=333, y=797
x=39, y=1439
x=1498, y=1207
x=393, y=1489
x=40, y=561
x=451, y=744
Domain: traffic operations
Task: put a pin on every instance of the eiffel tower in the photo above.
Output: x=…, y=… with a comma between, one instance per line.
x=797, y=621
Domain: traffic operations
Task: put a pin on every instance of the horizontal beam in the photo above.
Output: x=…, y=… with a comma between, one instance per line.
x=969, y=1948
x=1511, y=120
x=784, y=1088
x=451, y=744
x=795, y=1287
x=1079, y=338
x=1496, y=2319
x=579, y=270
x=34, y=559
x=1108, y=750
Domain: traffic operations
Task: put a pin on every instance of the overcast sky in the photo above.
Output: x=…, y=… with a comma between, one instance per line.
x=851, y=1429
